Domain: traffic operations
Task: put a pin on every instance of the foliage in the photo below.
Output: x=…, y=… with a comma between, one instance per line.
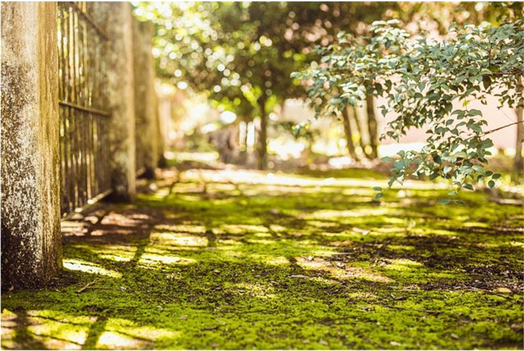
x=240, y=55
x=441, y=15
x=427, y=84
x=234, y=52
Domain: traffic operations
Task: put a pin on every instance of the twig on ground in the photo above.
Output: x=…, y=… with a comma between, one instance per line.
x=85, y=287
x=412, y=309
x=100, y=288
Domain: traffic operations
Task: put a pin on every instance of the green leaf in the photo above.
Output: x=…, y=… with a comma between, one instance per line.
x=377, y=188
x=444, y=202
x=475, y=127
x=441, y=130
x=491, y=184
x=378, y=88
x=486, y=80
x=478, y=169
x=468, y=186
x=495, y=176
x=378, y=196
x=475, y=113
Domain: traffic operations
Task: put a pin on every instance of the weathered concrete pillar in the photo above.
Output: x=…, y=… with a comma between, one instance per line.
x=161, y=131
x=121, y=101
x=31, y=241
x=146, y=121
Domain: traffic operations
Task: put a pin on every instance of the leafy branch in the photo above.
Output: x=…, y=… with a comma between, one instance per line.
x=423, y=82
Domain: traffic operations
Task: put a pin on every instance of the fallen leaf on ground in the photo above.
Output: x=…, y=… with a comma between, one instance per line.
x=361, y=231
x=502, y=291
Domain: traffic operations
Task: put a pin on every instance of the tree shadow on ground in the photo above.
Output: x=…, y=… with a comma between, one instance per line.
x=310, y=270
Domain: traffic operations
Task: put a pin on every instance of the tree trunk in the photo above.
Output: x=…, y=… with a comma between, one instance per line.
x=262, y=140
x=372, y=127
x=358, y=125
x=282, y=108
x=346, y=117
x=243, y=141
x=518, y=163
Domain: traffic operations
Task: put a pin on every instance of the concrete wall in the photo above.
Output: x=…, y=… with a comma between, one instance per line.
x=31, y=242
x=31, y=238
x=121, y=97
x=147, y=129
x=161, y=131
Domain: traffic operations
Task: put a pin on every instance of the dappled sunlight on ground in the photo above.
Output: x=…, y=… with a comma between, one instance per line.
x=280, y=180
x=245, y=259
x=59, y=330
x=88, y=267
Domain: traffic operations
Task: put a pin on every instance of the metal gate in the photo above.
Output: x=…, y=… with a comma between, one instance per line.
x=84, y=144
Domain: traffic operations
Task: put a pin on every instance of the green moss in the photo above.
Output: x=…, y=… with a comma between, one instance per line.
x=278, y=266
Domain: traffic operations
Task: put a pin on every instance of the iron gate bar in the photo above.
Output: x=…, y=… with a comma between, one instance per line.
x=83, y=82
x=88, y=19
x=85, y=109
x=84, y=132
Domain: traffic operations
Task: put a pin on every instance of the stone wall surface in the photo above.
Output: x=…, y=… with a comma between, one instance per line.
x=31, y=242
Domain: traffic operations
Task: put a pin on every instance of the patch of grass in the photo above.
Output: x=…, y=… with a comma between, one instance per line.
x=281, y=265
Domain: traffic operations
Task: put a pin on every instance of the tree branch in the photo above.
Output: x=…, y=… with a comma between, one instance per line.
x=499, y=128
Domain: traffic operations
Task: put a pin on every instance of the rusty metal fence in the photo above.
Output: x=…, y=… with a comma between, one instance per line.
x=84, y=119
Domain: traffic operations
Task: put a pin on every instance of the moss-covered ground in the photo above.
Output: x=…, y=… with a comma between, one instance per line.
x=249, y=260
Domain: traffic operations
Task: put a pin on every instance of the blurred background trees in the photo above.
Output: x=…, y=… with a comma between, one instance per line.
x=239, y=57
